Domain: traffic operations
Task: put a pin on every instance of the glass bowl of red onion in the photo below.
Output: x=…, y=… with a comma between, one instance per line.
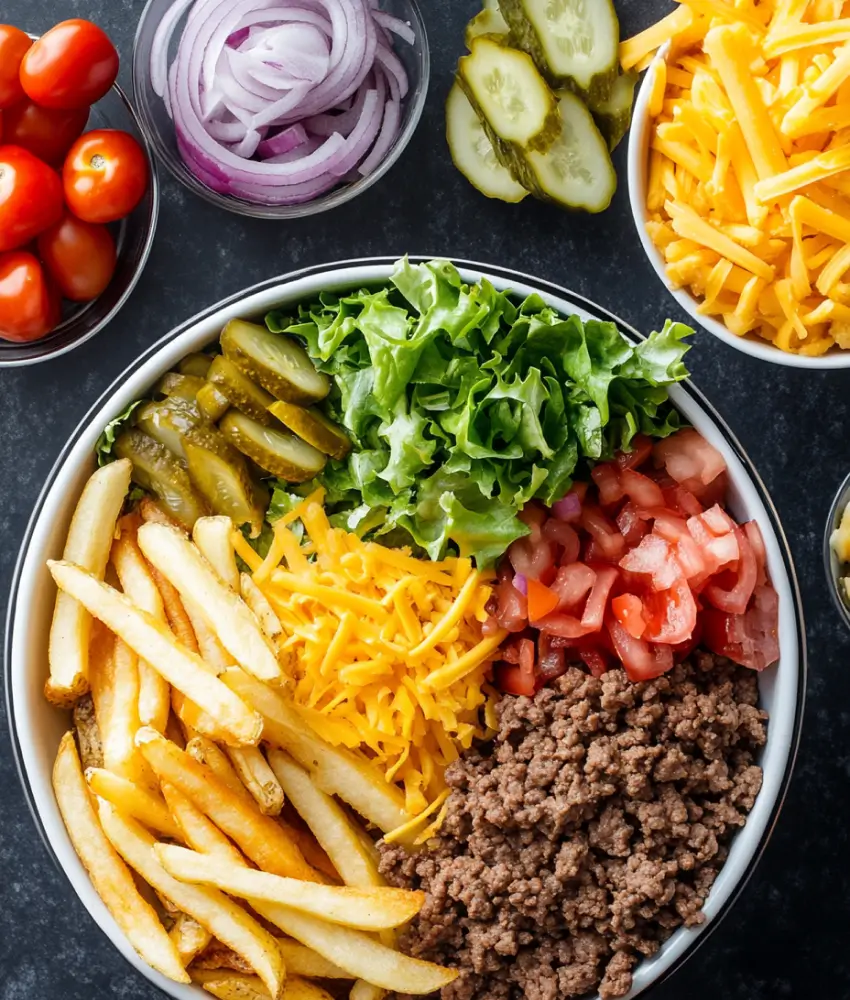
x=280, y=109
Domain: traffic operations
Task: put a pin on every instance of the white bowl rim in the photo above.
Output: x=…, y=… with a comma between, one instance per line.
x=684, y=942
x=754, y=346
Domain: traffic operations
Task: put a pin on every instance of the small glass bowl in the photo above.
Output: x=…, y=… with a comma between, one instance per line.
x=159, y=128
x=133, y=240
x=836, y=570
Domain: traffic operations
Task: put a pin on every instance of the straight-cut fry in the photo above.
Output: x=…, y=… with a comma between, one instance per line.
x=256, y=775
x=109, y=875
x=238, y=986
x=205, y=751
x=303, y=961
x=189, y=938
x=133, y=800
x=88, y=544
x=114, y=681
x=197, y=829
x=151, y=640
x=212, y=536
x=367, y=909
x=227, y=614
x=223, y=918
x=259, y=837
x=259, y=604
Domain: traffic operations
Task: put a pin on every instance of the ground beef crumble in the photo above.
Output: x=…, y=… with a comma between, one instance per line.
x=589, y=830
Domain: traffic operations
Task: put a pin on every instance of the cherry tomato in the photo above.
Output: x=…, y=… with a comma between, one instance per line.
x=14, y=45
x=105, y=175
x=29, y=305
x=79, y=257
x=30, y=197
x=47, y=133
x=70, y=66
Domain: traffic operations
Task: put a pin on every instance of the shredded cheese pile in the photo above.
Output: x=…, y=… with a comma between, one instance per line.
x=385, y=652
x=748, y=195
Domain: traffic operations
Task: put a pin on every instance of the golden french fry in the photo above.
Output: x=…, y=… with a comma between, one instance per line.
x=361, y=990
x=259, y=604
x=238, y=986
x=175, y=613
x=189, y=937
x=212, y=536
x=110, y=877
x=367, y=909
x=194, y=720
x=358, y=953
x=223, y=918
x=115, y=691
x=327, y=820
x=334, y=769
x=211, y=650
x=196, y=829
x=259, y=837
x=256, y=775
x=138, y=584
x=88, y=735
x=88, y=543
x=133, y=800
x=310, y=848
x=174, y=731
x=303, y=961
x=226, y=613
x=152, y=641
x=206, y=752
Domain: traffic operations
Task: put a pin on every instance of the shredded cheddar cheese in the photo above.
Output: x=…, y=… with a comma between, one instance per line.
x=384, y=653
x=748, y=186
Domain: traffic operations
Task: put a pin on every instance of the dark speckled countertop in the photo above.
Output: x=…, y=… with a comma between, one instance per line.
x=789, y=934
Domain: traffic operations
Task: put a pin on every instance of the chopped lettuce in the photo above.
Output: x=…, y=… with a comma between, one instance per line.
x=464, y=405
x=106, y=441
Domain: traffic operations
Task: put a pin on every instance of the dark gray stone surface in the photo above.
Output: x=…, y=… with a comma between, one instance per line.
x=788, y=935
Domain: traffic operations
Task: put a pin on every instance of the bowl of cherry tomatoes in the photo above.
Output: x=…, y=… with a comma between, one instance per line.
x=79, y=195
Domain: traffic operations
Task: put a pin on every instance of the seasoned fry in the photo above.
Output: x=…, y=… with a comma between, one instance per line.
x=109, y=875
x=133, y=800
x=88, y=735
x=150, y=639
x=335, y=770
x=196, y=829
x=223, y=918
x=366, y=909
x=226, y=613
x=258, y=836
x=189, y=937
x=138, y=584
x=88, y=544
x=212, y=536
x=211, y=650
x=303, y=961
x=209, y=753
x=178, y=620
x=114, y=683
x=237, y=986
x=328, y=821
x=258, y=603
x=358, y=953
x=256, y=775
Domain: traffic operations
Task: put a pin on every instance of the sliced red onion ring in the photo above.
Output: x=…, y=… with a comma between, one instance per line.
x=279, y=101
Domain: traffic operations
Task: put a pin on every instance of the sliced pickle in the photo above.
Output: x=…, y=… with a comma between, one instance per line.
x=195, y=364
x=242, y=391
x=225, y=485
x=314, y=428
x=179, y=385
x=614, y=115
x=278, y=452
x=488, y=22
x=168, y=420
x=155, y=469
x=278, y=363
x=212, y=402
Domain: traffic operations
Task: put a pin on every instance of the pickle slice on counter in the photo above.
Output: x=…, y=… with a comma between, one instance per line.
x=278, y=363
x=212, y=402
x=180, y=385
x=168, y=420
x=489, y=23
x=314, y=428
x=509, y=94
x=195, y=364
x=243, y=392
x=575, y=43
x=225, y=485
x=159, y=472
x=473, y=153
x=279, y=452
x=614, y=115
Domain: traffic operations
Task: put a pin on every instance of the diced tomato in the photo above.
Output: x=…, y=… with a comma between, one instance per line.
x=564, y=535
x=642, y=490
x=654, y=558
x=511, y=680
x=750, y=639
x=628, y=610
x=541, y=600
x=756, y=540
x=640, y=660
x=611, y=543
x=631, y=524
x=607, y=479
x=675, y=530
x=572, y=584
x=682, y=650
x=718, y=549
x=531, y=558
x=551, y=661
x=680, y=500
x=641, y=450
x=690, y=460
x=736, y=598
x=595, y=661
x=594, y=611
x=565, y=626
x=511, y=611
x=671, y=614
x=717, y=520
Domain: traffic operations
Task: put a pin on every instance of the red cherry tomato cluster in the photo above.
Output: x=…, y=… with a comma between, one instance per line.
x=60, y=186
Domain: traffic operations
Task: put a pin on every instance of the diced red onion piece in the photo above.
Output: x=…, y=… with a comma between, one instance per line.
x=521, y=584
x=567, y=509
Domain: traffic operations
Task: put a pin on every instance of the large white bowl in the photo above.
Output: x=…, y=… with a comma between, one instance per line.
x=36, y=727
x=638, y=170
